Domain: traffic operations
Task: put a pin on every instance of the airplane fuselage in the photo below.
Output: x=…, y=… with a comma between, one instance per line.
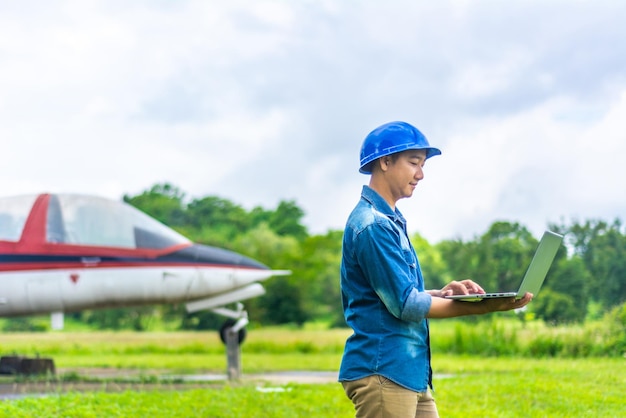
x=94, y=284
x=65, y=253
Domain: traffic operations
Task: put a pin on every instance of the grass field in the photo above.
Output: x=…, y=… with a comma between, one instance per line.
x=465, y=386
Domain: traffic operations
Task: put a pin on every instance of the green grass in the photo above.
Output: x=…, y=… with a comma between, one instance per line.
x=500, y=387
x=181, y=351
x=514, y=387
x=465, y=386
x=325, y=400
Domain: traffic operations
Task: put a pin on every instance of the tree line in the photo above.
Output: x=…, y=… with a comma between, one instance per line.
x=586, y=280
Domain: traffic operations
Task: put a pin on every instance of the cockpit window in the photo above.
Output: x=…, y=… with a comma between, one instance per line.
x=94, y=221
x=13, y=214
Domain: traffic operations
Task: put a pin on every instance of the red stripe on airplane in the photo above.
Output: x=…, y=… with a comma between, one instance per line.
x=4, y=267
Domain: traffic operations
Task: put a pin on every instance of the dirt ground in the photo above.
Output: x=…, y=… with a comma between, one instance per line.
x=120, y=380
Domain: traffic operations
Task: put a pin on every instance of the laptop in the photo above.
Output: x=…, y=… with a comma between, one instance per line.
x=535, y=275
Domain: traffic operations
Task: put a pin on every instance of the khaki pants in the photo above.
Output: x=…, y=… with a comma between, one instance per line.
x=378, y=397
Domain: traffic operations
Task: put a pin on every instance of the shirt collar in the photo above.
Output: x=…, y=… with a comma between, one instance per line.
x=381, y=205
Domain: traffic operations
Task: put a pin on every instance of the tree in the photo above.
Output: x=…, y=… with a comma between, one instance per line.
x=497, y=260
x=216, y=221
x=568, y=277
x=284, y=302
x=504, y=253
x=317, y=268
x=460, y=258
x=285, y=220
x=163, y=202
x=135, y=318
x=607, y=264
x=265, y=245
x=555, y=308
x=602, y=247
x=431, y=262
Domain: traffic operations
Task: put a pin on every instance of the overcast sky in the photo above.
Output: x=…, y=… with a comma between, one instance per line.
x=263, y=101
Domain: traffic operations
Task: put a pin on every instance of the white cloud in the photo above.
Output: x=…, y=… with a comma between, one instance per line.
x=270, y=100
x=534, y=167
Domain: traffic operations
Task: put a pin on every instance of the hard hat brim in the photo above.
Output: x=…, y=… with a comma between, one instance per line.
x=366, y=165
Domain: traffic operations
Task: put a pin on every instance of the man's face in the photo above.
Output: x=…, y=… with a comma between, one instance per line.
x=404, y=172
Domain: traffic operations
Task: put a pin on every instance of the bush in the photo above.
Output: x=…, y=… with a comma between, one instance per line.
x=616, y=332
x=25, y=325
x=556, y=308
x=486, y=339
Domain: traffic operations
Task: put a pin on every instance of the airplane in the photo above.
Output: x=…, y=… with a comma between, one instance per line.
x=70, y=252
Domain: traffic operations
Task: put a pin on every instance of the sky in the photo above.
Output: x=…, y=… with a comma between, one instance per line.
x=263, y=101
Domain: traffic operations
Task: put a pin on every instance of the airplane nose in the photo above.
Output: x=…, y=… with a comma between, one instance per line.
x=205, y=254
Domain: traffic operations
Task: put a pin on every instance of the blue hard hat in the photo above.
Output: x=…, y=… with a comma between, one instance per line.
x=390, y=138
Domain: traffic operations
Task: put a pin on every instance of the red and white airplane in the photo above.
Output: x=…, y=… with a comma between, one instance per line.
x=67, y=252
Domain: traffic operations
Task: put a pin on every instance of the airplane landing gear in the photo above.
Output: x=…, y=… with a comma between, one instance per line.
x=232, y=334
x=238, y=319
x=228, y=325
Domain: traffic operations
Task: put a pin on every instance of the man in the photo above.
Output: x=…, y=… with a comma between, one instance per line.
x=385, y=369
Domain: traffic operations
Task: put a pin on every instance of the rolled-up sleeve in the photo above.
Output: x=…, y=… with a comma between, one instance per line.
x=417, y=306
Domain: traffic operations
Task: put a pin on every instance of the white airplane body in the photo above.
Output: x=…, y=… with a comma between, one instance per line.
x=40, y=292
x=66, y=253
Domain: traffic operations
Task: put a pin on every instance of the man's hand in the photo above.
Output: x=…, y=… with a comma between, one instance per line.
x=505, y=304
x=448, y=308
x=464, y=287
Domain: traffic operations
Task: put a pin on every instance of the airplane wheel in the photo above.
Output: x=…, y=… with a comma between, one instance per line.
x=229, y=323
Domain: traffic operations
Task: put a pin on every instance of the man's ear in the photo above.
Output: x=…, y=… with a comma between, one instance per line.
x=381, y=164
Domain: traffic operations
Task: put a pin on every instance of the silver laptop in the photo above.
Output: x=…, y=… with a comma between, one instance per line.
x=535, y=275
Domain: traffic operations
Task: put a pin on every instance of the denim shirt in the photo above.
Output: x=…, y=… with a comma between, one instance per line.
x=383, y=298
